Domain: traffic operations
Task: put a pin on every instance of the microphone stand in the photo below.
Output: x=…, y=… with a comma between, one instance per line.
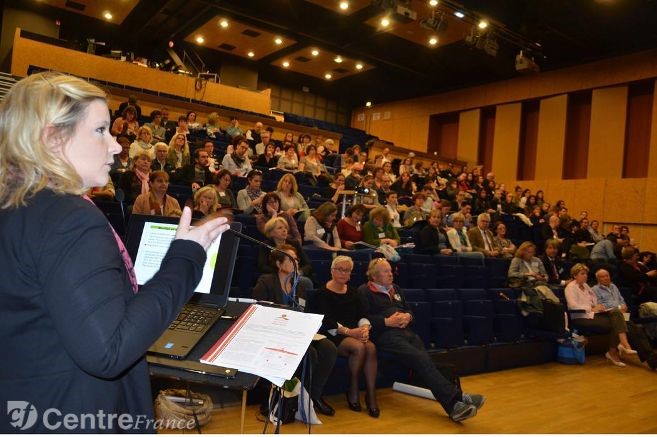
x=119, y=195
x=295, y=273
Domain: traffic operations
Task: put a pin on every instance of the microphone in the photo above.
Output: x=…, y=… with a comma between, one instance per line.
x=295, y=273
x=120, y=197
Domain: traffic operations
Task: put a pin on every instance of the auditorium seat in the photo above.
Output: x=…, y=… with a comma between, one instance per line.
x=447, y=324
x=472, y=293
x=422, y=275
x=440, y=294
x=475, y=276
x=414, y=294
x=422, y=320
x=498, y=269
x=478, y=321
x=449, y=276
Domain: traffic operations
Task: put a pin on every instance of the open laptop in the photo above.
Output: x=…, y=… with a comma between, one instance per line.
x=147, y=241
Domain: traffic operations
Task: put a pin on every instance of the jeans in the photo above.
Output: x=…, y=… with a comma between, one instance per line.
x=406, y=346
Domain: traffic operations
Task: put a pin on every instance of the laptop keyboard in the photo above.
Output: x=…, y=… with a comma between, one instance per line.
x=194, y=318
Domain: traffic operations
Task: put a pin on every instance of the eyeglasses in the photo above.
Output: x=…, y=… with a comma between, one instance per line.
x=341, y=270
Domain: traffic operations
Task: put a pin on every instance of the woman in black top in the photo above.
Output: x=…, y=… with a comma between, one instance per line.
x=345, y=324
x=432, y=238
x=277, y=288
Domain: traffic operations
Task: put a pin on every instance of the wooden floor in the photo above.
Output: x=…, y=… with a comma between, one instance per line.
x=552, y=398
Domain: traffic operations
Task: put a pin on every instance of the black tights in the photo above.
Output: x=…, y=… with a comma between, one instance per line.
x=362, y=357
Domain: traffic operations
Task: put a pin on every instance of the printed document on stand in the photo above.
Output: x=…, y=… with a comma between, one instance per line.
x=268, y=342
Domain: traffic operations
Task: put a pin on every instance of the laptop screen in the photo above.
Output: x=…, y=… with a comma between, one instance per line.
x=148, y=240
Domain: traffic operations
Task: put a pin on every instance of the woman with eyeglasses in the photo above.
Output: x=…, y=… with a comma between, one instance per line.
x=277, y=287
x=271, y=208
x=346, y=325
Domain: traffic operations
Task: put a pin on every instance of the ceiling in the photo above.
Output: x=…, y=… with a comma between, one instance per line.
x=397, y=61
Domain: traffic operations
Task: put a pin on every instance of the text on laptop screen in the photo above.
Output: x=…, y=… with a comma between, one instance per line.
x=153, y=246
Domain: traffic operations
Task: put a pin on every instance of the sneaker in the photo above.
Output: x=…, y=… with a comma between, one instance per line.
x=462, y=411
x=473, y=399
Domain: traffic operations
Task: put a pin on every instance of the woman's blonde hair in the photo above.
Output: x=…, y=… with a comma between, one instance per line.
x=207, y=189
x=293, y=182
x=144, y=128
x=27, y=164
x=271, y=224
x=524, y=247
x=579, y=267
x=342, y=259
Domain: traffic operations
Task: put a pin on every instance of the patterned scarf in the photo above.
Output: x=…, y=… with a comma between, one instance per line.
x=143, y=177
x=253, y=195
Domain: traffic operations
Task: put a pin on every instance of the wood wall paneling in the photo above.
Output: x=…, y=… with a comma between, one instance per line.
x=624, y=200
x=486, y=138
x=578, y=131
x=468, y=136
x=550, y=137
x=652, y=159
x=528, y=140
x=607, y=137
x=443, y=135
x=637, y=129
x=506, y=141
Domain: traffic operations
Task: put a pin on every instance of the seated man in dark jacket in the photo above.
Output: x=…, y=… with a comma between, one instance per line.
x=390, y=317
x=198, y=173
x=556, y=274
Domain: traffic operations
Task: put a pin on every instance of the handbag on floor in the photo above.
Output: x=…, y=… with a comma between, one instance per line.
x=571, y=351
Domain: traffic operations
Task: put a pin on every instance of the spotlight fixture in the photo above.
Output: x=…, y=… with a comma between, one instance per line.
x=250, y=54
x=328, y=76
x=200, y=39
x=433, y=3
x=344, y=5
x=385, y=22
x=286, y=64
x=359, y=66
x=108, y=15
x=483, y=24
x=223, y=23
x=278, y=41
x=338, y=60
x=315, y=52
x=368, y=104
x=459, y=14
x=433, y=41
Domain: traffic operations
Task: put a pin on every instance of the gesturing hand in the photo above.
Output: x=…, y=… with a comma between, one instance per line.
x=203, y=234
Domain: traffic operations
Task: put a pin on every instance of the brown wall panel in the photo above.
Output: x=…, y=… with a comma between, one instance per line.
x=528, y=140
x=486, y=138
x=443, y=135
x=551, y=136
x=607, y=138
x=468, y=139
x=637, y=129
x=578, y=131
x=506, y=141
x=624, y=200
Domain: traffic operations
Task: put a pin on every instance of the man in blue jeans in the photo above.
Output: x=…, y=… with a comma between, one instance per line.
x=390, y=318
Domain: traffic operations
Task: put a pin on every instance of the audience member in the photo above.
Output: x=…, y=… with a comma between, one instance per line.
x=379, y=230
x=255, y=135
x=596, y=316
x=126, y=124
x=206, y=201
x=292, y=202
x=178, y=154
x=415, y=213
x=238, y=162
x=268, y=158
x=132, y=101
x=433, y=238
x=458, y=237
x=271, y=209
x=349, y=227
x=223, y=180
x=212, y=125
x=404, y=186
x=346, y=325
x=249, y=199
x=234, y=130
x=160, y=161
x=481, y=238
x=320, y=228
x=525, y=270
x=277, y=288
x=607, y=293
x=264, y=141
x=156, y=126
x=157, y=201
x=556, y=274
x=213, y=162
x=391, y=206
x=390, y=317
x=593, y=230
x=311, y=163
x=366, y=193
x=198, y=174
x=506, y=246
x=640, y=280
x=122, y=160
x=135, y=181
x=289, y=161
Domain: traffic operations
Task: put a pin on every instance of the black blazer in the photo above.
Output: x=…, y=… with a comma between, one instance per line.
x=73, y=331
x=269, y=288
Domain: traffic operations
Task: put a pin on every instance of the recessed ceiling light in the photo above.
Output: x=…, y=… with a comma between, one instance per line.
x=459, y=14
x=286, y=64
x=223, y=23
x=385, y=22
x=359, y=66
x=315, y=52
x=344, y=5
x=482, y=24
x=433, y=2
x=327, y=76
x=200, y=39
x=108, y=15
x=433, y=41
x=368, y=104
x=278, y=41
x=338, y=60
x=250, y=54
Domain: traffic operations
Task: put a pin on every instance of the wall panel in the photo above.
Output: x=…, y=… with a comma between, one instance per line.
x=551, y=137
x=468, y=136
x=506, y=141
x=637, y=129
x=607, y=137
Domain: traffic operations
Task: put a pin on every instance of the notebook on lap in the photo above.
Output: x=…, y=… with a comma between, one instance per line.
x=147, y=241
